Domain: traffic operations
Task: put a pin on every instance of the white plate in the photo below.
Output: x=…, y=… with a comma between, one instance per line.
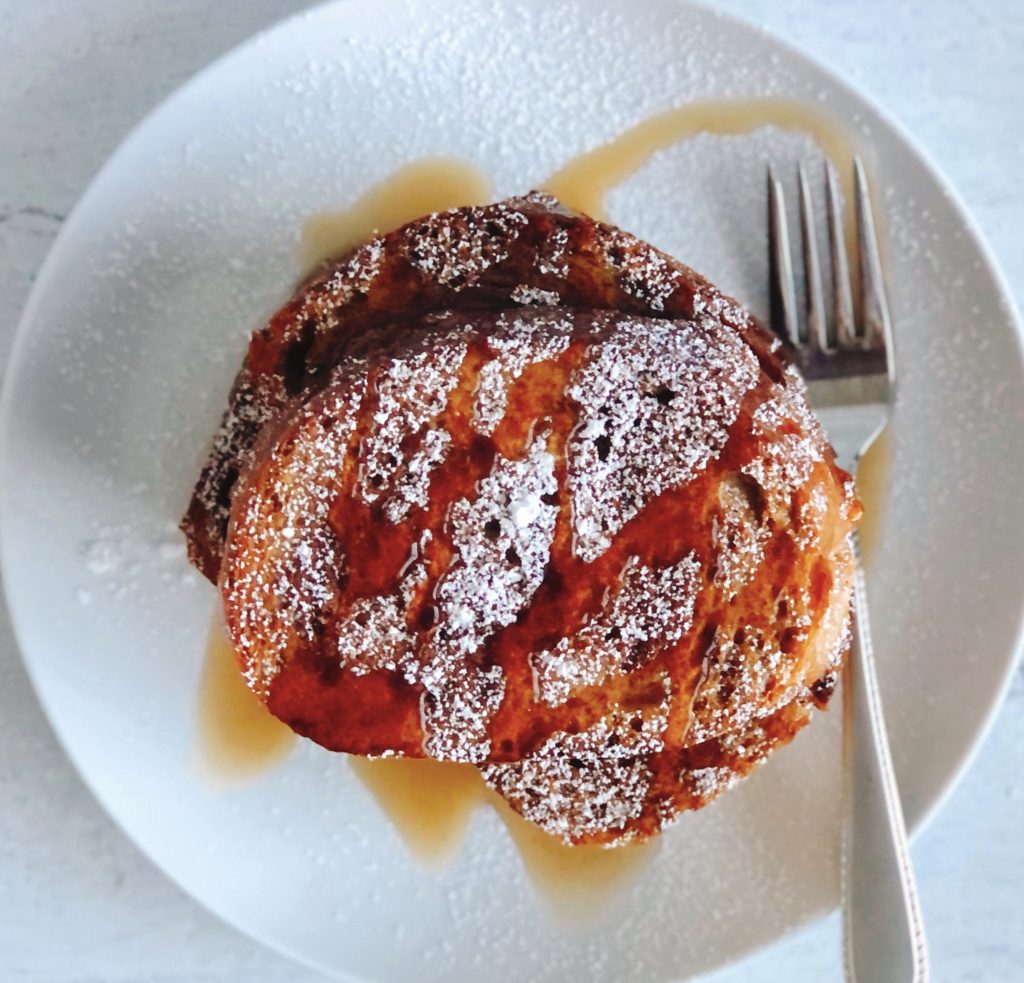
x=186, y=241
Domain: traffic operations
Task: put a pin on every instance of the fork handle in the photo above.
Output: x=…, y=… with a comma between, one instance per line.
x=883, y=932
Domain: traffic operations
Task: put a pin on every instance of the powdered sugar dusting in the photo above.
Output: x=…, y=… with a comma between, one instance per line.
x=643, y=273
x=413, y=487
x=285, y=558
x=454, y=258
x=517, y=342
x=345, y=281
x=501, y=552
x=788, y=459
x=649, y=612
x=250, y=408
x=656, y=402
x=811, y=518
x=738, y=539
x=502, y=547
x=552, y=259
x=788, y=402
x=593, y=782
x=374, y=635
x=523, y=293
x=740, y=671
x=783, y=468
x=706, y=783
x=410, y=391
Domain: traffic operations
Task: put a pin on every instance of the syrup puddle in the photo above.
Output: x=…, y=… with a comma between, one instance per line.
x=873, y=489
x=578, y=881
x=431, y=803
x=238, y=737
x=433, y=184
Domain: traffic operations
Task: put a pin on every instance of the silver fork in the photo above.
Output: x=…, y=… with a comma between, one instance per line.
x=850, y=370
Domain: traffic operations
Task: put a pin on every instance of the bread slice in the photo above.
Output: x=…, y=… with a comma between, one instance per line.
x=601, y=554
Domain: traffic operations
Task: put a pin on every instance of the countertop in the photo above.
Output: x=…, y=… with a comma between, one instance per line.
x=78, y=902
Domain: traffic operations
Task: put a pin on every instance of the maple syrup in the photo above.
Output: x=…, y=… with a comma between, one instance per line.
x=431, y=184
x=872, y=490
x=238, y=737
x=584, y=182
x=579, y=881
x=430, y=802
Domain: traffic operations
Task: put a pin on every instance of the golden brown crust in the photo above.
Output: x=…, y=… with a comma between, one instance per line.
x=611, y=801
x=580, y=529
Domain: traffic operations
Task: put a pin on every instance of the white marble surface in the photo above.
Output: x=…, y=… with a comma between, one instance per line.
x=77, y=901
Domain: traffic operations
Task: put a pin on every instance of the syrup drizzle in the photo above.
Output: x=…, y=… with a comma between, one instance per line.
x=429, y=802
x=584, y=182
x=872, y=490
x=432, y=184
x=238, y=737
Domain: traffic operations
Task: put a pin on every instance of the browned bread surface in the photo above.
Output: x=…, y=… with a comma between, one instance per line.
x=518, y=490
x=578, y=791
x=519, y=537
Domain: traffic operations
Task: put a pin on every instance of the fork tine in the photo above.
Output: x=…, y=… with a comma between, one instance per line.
x=843, y=297
x=874, y=304
x=780, y=266
x=816, y=327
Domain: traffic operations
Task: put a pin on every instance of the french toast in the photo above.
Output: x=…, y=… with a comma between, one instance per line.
x=510, y=487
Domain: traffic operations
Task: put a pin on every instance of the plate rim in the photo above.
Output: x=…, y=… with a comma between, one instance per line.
x=41, y=285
